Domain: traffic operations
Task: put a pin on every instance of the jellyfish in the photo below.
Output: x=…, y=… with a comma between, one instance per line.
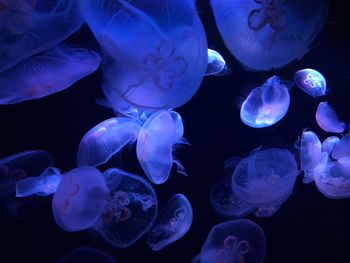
x=169, y=63
x=87, y=254
x=106, y=139
x=329, y=143
x=311, y=82
x=328, y=120
x=266, y=104
x=155, y=143
x=131, y=209
x=266, y=211
x=80, y=199
x=29, y=27
x=216, y=63
x=238, y=240
x=173, y=223
x=47, y=73
x=342, y=148
x=265, y=34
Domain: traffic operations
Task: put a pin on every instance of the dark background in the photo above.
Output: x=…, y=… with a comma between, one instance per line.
x=308, y=228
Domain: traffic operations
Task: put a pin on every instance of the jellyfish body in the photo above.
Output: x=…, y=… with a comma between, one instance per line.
x=106, y=139
x=342, y=148
x=166, y=68
x=216, y=63
x=311, y=82
x=87, y=254
x=329, y=143
x=258, y=33
x=328, y=120
x=46, y=74
x=155, y=142
x=266, y=104
x=173, y=223
x=239, y=240
x=80, y=199
x=130, y=211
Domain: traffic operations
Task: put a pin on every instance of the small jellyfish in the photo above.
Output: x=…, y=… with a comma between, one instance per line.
x=173, y=223
x=87, y=255
x=265, y=34
x=106, y=139
x=329, y=143
x=234, y=241
x=328, y=120
x=80, y=199
x=130, y=211
x=266, y=104
x=216, y=63
x=342, y=148
x=46, y=74
x=155, y=143
x=311, y=82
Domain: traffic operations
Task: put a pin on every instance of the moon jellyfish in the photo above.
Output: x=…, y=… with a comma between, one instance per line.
x=239, y=240
x=265, y=34
x=29, y=27
x=130, y=211
x=216, y=63
x=46, y=74
x=342, y=148
x=329, y=143
x=173, y=223
x=311, y=82
x=168, y=65
x=42, y=185
x=328, y=120
x=80, y=199
x=155, y=143
x=266, y=104
x=106, y=139
x=87, y=255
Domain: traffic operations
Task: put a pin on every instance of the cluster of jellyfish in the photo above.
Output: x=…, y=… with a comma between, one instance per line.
x=153, y=57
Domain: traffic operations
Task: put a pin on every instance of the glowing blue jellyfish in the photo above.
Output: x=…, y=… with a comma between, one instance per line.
x=29, y=27
x=216, y=63
x=87, y=254
x=80, y=199
x=155, y=145
x=328, y=120
x=266, y=104
x=106, y=139
x=239, y=240
x=173, y=223
x=342, y=148
x=311, y=82
x=166, y=68
x=329, y=143
x=130, y=211
x=265, y=34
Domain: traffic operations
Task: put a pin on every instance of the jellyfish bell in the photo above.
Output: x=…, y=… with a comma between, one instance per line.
x=342, y=148
x=311, y=82
x=329, y=143
x=216, y=63
x=327, y=119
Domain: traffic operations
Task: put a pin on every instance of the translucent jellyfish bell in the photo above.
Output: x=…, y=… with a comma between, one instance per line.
x=86, y=255
x=311, y=82
x=216, y=63
x=266, y=104
x=342, y=148
x=258, y=33
x=79, y=199
x=329, y=143
x=328, y=120
x=239, y=240
x=130, y=211
x=173, y=222
x=106, y=139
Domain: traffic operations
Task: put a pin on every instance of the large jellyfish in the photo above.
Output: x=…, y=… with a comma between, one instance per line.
x=47, y=73
x=157, y=50
x=106, y=139
x=80, y=199
x=267, y=34
x=155, y=144
x=130, y=211
x=234, y=241
x=87, y=255
x=28, y=27
x=173, y=223
x=311, y=82
x=328, y=120
x=266, y=104
x=216, y=63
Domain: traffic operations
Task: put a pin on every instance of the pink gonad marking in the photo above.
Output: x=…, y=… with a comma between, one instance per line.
x=71, y=195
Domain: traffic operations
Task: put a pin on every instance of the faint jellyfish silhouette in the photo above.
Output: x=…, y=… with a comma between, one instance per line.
x=196, y=259
x=328, y=120
x=155, y=144
x=342, y=148
x=80, y=199
x=266, y=211
x=166, y=69
x=258, y=33
x=87, y=255
x=311, y=82
x=239, y=240
x=329, y=143
x=173, y=223
x=46, y=74
x=130, y=211
x=216, y=63
x=266, y=104
x=106, y=139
